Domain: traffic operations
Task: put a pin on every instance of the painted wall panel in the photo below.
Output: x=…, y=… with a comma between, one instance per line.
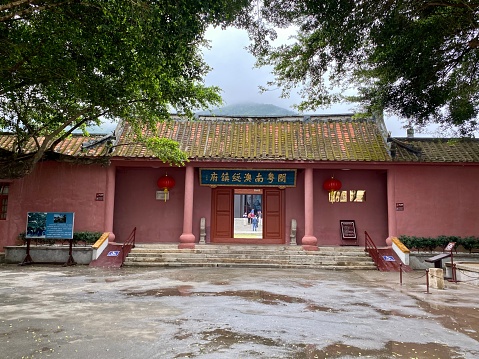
x=370, y=216
x=438, y=200
x=61, y=187
x=136, y=205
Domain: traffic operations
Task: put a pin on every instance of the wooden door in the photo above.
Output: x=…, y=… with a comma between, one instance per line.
x=222, y=217
x=273, y=215
x=222, y=213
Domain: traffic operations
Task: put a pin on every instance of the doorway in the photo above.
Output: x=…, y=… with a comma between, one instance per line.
x=228, y=224
x=248, y=213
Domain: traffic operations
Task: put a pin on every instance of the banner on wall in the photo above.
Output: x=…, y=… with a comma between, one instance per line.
x=58, y=225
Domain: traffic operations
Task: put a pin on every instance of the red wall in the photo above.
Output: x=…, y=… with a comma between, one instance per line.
x=137, y=206
x=438, y=200
x=58, y=187
x=370, y=216
x=157, y=221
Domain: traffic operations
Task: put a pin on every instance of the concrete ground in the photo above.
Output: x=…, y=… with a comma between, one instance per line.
x=81, y=312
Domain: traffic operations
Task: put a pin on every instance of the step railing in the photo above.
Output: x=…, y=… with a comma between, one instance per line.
x=128, y=245
x=372, y=250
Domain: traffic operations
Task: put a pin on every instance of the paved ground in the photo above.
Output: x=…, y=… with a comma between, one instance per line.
x=80, y=312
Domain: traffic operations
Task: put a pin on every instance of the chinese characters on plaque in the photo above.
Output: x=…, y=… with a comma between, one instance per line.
x=241, y=177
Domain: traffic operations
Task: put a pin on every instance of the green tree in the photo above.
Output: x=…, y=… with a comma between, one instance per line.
x=68, y=64
x=415, y=58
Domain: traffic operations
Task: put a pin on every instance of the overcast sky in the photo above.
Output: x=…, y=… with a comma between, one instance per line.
x=234, y=72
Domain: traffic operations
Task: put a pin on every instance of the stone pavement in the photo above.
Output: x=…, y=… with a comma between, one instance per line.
x=81, y=312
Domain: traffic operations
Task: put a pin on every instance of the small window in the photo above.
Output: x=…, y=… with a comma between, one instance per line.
x=3, y=201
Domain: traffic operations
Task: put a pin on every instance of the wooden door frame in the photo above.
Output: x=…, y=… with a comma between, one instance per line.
x=230, y=239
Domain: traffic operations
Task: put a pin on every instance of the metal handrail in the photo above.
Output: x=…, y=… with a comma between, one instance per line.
x=372, y=250
x=128, y=245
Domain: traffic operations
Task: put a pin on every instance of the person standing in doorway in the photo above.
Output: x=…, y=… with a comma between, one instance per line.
x=254, y=220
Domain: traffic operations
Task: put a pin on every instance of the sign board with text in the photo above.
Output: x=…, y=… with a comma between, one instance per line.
x=348, y=229
x=56, y=225
x=247, y=177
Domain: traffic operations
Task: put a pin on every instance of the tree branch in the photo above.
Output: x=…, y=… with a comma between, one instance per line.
x=448, y=4
x=13, y=4
x=29, y=10
x=73, y=128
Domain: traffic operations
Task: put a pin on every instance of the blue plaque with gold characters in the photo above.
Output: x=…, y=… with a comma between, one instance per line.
x=248, y=178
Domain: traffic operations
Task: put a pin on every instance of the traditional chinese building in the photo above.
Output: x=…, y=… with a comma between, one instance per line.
x=312, y=172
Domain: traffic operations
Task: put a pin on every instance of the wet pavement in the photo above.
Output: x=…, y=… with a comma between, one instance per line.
x=82, y=312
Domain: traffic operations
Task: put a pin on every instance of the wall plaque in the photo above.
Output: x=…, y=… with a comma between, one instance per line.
x=348, y=229
x=247, y=177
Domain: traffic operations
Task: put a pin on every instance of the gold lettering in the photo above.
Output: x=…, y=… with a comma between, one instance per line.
x=236, y=177
x=225, y=177
x=271, y=177
x=282, y=177
x=259, y=178
x=248, y=177
x=214, y=177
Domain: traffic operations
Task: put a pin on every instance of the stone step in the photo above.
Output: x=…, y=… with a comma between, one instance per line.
x=262, y=256
x=237, y=247
x=250, y=265
x=168, y=255
x=250, y=251
x=246, y=259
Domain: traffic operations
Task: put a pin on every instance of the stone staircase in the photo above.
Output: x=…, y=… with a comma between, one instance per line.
x=168, y=255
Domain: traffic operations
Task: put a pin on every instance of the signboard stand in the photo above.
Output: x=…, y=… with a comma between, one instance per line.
x=349, y=235
x=70, y=261
x=50, y=225
x=28, y=259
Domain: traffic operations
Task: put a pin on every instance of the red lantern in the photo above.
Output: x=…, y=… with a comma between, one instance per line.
x=166, y=183
x=332, y=184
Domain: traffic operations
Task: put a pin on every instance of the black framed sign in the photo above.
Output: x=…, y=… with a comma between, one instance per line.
x=348, y=229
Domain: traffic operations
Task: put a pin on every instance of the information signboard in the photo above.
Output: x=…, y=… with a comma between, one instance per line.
x=57, y=225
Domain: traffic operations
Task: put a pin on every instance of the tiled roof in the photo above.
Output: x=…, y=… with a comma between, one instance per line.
x=71, y=146
x=319, y=138
x=275, y=139
x=435, y=150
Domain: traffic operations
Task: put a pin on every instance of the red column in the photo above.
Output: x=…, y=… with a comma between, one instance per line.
x=187, y=239
x=392, y=221
x=110, y=202
x=309, y=241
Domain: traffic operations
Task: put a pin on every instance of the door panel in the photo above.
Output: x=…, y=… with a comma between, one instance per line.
x=273, y=222
x=222, y=216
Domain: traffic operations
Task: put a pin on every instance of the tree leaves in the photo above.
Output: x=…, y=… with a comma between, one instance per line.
x=68, y=64
x=417, y=59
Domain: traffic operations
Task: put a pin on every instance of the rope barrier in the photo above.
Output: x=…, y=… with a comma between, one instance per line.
x=454, y=270
x=469, y=276
x=417, y=277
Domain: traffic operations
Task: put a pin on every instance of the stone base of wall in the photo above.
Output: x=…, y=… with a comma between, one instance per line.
x=48, y=254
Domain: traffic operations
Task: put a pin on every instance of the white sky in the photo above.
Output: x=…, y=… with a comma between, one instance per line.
x=234, y=72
